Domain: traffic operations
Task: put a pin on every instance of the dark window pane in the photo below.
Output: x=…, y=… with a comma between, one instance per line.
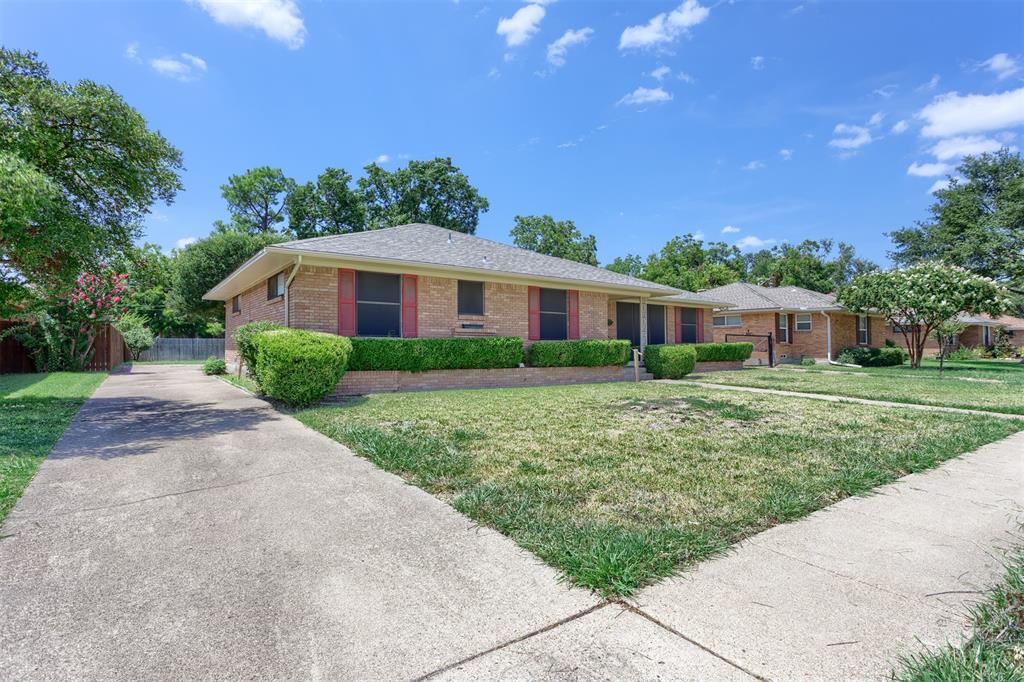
x=689, y=315
x=378, y=319
x=553, y=326
x=689, y=333
x=471, y=298
x=655, y=324
x=552, y=301
x=379, y=287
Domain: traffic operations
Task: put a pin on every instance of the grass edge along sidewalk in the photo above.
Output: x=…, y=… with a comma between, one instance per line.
x=636, y=481
x=35, y=410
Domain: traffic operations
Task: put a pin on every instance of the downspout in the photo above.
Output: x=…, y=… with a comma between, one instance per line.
x=828, y=336
x=287, y=288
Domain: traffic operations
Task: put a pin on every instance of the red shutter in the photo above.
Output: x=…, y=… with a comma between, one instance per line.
x=792, y=327
x=574, y=313
x=700, y=325
x=410, y=300
x=533, y=302
x=679, y=324
x=778, y=330
x=346, y=302
x=868, y=321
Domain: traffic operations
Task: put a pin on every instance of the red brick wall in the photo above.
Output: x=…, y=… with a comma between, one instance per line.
x=255, y=306
x=813, y=343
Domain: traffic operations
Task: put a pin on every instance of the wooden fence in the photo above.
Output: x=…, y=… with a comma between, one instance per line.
x=108, y=352
x=184, y=349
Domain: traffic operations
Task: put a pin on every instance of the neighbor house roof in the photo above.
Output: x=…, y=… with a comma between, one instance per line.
x=1008, y=321
x=420, y=247
x=691, y=298
x=743, y=296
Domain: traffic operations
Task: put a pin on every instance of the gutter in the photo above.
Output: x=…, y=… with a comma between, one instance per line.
x=828, y=349
x=287, y=288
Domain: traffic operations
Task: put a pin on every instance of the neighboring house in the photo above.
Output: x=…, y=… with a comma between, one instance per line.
x=802, y=323
x=1014, y=327
x=981, y=330
x=427, y=281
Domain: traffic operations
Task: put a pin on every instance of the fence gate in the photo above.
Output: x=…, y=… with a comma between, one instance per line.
x=762, y=344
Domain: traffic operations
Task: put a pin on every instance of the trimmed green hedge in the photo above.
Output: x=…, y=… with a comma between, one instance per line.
x=722, y=352
x=299, y=367
x=889, y=356
x=578, y=353
x=421, y=355
x=213, y=366
x=245, y=344
x=670, y=361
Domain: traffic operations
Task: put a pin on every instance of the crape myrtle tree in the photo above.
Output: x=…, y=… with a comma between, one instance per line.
x=80, y=170
x=920, y=298
x=944, y=333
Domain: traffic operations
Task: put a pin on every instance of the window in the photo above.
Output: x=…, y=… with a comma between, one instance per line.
x=901, y=329
x=803, y=322
x=275, y=286
x=236, y=304
x=783, y=322
x=986, y=336
x=725, y=320
x=862, y=330
x=378, y=304
x=689, y=324
x=554, y=318
x=655, y=324
x=471, y=298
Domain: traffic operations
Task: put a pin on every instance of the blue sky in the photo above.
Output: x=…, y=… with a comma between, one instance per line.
x=771, y=121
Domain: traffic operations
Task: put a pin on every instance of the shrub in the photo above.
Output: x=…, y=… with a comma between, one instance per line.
x=962, y=353
x=421, y=355
x=671, y=361
x=137, y=336
x=579, y=353
x=888, y=356
x=244, y=342
x=720, y=352
x=299, y=367
x=214, y=366
x=808, y=362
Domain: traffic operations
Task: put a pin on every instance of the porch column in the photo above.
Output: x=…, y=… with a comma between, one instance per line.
x=643, y=323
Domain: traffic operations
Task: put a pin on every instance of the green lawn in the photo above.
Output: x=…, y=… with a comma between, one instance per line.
x=990, y=385
x=620, y=484
x=241, y=381
x=34, y=411
x=995, y=649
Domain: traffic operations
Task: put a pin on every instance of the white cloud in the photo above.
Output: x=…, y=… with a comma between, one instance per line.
x=494, y=72
x=665, y=27
x=952, y=114
x=185, y=241
x=876, y=118
x=955, y=147
x=520, y=27
x=685, y=77
x=752, y=242
x=847, y=136
x=132, y=51
x=1002, y=65
x=383, y=158
x=186, y=69
x=886, y=91
x=661, y=72
x=567, y=145
x=932, y=83
x=757, y=63
x=900, y=127
x=786, y=154
x=558, y=49
x=928, y=170
x=753, y=165
x=644, y=95
x=729, y=229
x=937, y=185
x=279, y=19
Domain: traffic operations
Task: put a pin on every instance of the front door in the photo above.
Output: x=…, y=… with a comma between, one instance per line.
x=627, y=322
x=655, y=324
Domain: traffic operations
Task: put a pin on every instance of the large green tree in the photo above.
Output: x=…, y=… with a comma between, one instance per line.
x=328, y=206
x=686, y=263
x=200, y=266
x=630, y=264
x=921, y=298
x=257, y=199
x=818, y=265
x=976, y=223
x=560, y=238
x=434, y=192
x=80, y=169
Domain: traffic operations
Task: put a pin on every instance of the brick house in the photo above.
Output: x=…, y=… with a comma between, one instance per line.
x=802, y=323
x=425, y=281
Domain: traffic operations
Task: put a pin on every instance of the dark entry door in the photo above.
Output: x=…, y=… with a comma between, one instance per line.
x=627, y=322
x=655, y=324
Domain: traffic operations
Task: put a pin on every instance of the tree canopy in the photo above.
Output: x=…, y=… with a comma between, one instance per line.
x=810, y=264
x=328, y=206
x=256, y=199
x=976, y=223
x=559, y=238
x=919, y=298
x=81, y=169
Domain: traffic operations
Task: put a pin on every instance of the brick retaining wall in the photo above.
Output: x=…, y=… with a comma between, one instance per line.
x=718, y=366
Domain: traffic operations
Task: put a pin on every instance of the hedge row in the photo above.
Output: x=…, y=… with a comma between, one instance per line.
x=670, y=362
x=581, y=353
x=873, y=357
x=721, y=352
x=421, y=355
x=299, y=367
